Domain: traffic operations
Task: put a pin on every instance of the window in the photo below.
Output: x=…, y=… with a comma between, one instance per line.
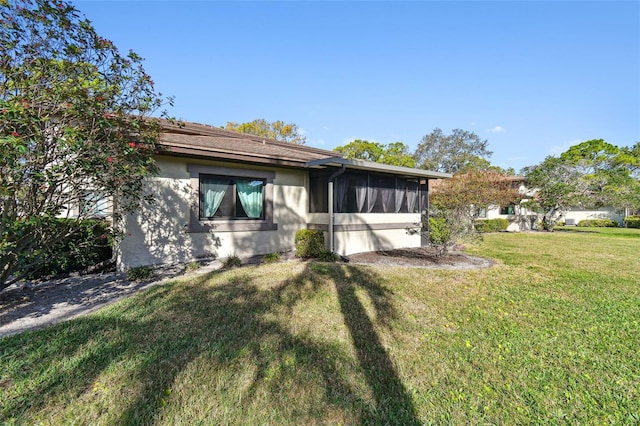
x=94, y=204
x=482, y=213
x=226, y=199
x=231, y=197
x=510, y=209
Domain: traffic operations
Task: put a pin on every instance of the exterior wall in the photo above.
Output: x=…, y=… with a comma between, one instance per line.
x=576, y=214
x=361, y=232
x=522, y=220
x=163, y=233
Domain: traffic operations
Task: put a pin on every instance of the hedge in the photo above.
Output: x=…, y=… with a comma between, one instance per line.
x=491, y=225
x=598, y=223
x=632, y=221
x=89, y=244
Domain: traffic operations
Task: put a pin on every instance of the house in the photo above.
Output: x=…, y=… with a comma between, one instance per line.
x=522, y=218
x=221, y=193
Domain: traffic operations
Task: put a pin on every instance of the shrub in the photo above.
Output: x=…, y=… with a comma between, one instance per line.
x=309, y=243
x=232, y=261
x=140, y=273
x=193, y=266
x=491, y=225
x=632, y=221
x=271, y=257
x=439, y=231
x=327, y=256
x=89, y=242
x=598, y=223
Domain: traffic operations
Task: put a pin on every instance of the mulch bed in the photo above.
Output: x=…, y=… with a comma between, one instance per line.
x=420, y=257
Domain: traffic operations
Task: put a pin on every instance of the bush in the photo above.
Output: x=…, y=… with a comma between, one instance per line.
x=232, y=261
x=89, y=243
x=439, y=231
x=309, y=243
x=193, y=266
x=140, y=273
x=632, y=221
x=271, y=257
x=598, y=223
x=491, y=225
x=327, y=256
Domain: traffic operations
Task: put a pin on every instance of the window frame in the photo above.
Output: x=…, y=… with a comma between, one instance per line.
x=508, y=208
x=235, y=201
x=224, y=224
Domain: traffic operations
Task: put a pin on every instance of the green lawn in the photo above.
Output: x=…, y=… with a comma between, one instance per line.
x=550, y=334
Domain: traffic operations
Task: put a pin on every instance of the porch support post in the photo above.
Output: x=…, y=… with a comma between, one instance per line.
x=335, y=174
x=331, y=218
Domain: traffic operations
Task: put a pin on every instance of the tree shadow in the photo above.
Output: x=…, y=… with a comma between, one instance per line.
x=165, y=328
x=393, y=403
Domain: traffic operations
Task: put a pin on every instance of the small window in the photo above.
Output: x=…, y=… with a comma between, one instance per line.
x=94, y=204
x=482, y=213
x=508, y=210
x=231, y=197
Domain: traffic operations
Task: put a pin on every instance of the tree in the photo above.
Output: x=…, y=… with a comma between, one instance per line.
x=455, y=203
x=556, y=188
x=606, y=174
x=591, y=174
x=74, y=129
x=278, y=130
x=450, y=153
x=394, y=154
x=472, y=191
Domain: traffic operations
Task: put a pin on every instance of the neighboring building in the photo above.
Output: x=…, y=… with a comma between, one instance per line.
x=523, y=219
x=221, y=193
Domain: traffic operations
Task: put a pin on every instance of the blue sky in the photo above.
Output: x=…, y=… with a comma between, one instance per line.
x=533, y=78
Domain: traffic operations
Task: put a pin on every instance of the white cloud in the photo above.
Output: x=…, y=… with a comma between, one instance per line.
x=320, y=142
x=325, y=127
x=302, y=131
x=498, y=129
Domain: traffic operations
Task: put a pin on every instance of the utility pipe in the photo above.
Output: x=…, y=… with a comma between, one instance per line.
x=330, y=201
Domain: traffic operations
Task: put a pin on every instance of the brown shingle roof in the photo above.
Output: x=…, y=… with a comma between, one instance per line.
x=199, y=140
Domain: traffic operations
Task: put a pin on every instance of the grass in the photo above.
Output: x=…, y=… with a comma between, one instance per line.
x=547, y=335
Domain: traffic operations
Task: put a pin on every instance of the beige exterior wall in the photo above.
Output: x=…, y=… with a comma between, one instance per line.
x=523, y=219
x=361, y=232
x=576, y=214
x=163, y=233
x=160, y=234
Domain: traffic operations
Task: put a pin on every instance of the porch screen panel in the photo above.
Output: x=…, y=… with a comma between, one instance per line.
x=387, y=187
x=360, y=185
x=412, y=196
x=341, y=186
x=400, y=194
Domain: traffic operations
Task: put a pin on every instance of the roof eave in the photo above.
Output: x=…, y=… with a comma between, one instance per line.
x=377, y=167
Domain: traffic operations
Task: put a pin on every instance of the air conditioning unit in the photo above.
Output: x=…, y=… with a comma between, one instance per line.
x=570, y=222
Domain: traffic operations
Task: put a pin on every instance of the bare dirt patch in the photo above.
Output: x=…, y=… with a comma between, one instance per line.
x=422, y=257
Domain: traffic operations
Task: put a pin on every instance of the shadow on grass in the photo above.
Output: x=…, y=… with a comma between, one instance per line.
x=228, y=318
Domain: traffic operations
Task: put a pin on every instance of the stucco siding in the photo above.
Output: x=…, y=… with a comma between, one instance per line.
x=577, y=214
x=160, y=233
x=349, y=242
